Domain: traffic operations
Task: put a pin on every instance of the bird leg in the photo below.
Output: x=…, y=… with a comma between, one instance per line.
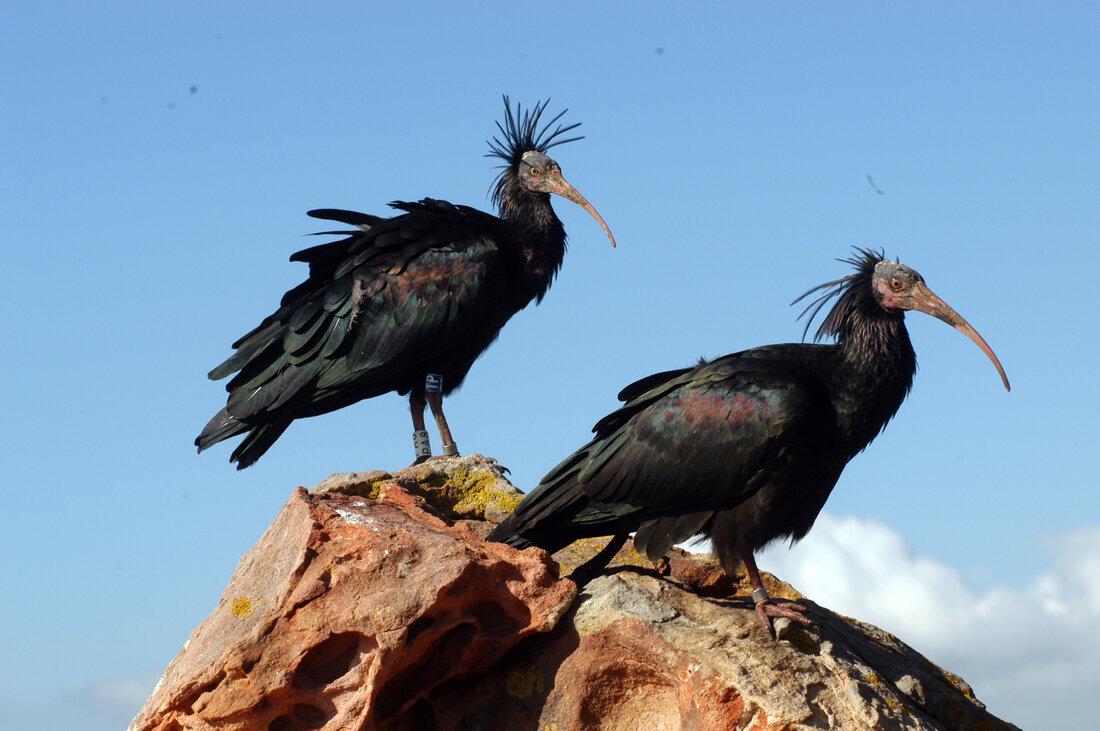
x=421, y=441
x=433, y=392
x=765, y=606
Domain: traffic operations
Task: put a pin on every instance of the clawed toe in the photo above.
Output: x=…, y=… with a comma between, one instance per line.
x=766, y=609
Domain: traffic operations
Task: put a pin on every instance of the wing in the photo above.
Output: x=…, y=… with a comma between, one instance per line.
x=685, y=441
x=392, y=294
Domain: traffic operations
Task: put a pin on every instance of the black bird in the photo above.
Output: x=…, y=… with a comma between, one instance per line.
x=746, y=448
x=403, y=304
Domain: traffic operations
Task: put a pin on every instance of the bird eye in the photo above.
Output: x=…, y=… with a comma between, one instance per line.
x=895, y=284
x=535, y=172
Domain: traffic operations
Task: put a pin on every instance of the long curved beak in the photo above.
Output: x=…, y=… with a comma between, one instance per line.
x=929, y=303
x=557, y=184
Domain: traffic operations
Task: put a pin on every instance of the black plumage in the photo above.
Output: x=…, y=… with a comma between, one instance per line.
x=743, y=449
x=396, y=299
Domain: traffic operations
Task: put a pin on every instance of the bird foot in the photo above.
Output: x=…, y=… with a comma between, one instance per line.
x=662, y=565
x=501, y=468
x=766, y=609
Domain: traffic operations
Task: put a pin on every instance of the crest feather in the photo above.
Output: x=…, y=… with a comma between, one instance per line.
x=523, y=131
x=846, y=289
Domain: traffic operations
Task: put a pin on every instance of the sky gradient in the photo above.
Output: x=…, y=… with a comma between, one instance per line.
x=158, y=160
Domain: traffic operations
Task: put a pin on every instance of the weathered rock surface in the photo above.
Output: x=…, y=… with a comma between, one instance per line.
x=372, y=602
x=350, y=610
x=640, y=652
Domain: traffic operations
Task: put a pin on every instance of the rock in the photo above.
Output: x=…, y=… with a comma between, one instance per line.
x=471, y=487
x=639, y=651
x=350, y=611
x=372, y=602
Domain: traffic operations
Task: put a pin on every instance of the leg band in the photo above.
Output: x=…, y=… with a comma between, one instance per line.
x=433, y=383
x=760, y=595
x=421, y=443
x=450, y=450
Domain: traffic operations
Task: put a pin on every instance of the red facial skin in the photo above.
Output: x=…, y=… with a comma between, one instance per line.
x=915, y=295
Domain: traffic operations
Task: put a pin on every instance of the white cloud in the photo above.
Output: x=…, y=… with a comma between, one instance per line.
x=1032, y=654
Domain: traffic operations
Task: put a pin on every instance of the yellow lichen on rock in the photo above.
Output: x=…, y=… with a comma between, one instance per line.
x=359, y=484
x=479, y=492
x=960, y=685
x=242, y=607
x=470, y=487
x=524, y=683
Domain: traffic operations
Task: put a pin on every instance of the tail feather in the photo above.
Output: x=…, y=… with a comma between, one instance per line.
x=259, y=440
x=505, y=532
x=221, y=426
x=363, y=220
x=553, y=518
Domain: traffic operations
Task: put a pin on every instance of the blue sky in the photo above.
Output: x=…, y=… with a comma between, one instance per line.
x=158, y=160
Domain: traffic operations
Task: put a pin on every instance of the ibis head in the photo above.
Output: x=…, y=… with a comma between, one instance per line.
x=897, y=287
x=527, y=170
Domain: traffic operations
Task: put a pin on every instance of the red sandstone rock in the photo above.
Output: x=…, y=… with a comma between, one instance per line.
x=638, y=651
x=350, y=611
x=373, y=603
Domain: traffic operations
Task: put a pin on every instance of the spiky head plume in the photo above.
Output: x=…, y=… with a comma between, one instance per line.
x=523, y=131
x=853, y=294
